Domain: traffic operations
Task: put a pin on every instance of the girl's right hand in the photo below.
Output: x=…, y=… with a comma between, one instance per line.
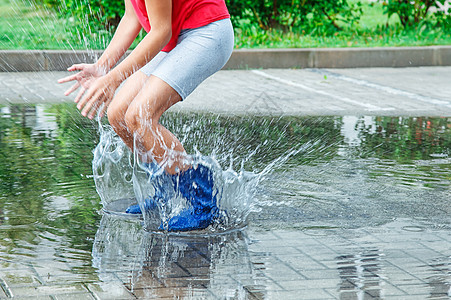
x=87, y=74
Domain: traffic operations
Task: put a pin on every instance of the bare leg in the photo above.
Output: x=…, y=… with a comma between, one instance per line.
x=120, y=104
x=142, y=122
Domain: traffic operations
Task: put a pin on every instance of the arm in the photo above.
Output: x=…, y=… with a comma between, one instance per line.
x=160, y=16
x=102, y=90
x=125, y=34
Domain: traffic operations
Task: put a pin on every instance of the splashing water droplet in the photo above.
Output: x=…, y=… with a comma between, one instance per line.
x=206, y=196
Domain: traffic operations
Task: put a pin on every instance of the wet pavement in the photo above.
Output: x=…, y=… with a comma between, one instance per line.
x=403, y=259
x=363, y=212
x=423, y=91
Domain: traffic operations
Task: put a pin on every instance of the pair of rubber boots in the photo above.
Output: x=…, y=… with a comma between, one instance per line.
x=195, y=185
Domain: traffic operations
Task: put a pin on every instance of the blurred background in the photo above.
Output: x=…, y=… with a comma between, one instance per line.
x=89, y=24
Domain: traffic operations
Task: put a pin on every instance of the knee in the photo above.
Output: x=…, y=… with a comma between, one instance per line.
x=116, y=116
x=131, y=120
x=137, y=120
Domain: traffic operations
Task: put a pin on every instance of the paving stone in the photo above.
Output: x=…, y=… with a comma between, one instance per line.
x=320, y=274
x=266, y=285
x=418, y=288
x=409, y=297
x=277, y=269
x=275, y=248
x=285, y=276
x=440, y=246
x=45, y=297
x=445, y=235
x=319, y=252
x=301, y=263
x=110, y=290
x=310, y=294
x=6, y=265
x=309, y=284
x=78, y=296
x=49, y=290
x=23, y=277
x=60, y=273
x=422, y=253
x=397, y=276
x=297, y=239
x=265, y=236
x=172, y=293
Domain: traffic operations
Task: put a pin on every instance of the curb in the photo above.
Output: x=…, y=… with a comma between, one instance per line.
x=390, y=57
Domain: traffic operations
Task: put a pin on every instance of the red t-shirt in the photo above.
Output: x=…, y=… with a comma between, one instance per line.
x=185, y=14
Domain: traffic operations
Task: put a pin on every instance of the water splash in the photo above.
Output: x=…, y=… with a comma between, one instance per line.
x=122, y=180
x=112, y=166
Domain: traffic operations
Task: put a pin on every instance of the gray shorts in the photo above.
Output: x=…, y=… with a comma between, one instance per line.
x=200, y=52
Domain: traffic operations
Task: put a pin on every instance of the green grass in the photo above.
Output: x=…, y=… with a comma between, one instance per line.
x=23, y=26
x=371, y=31
x=373, y=16
x=378, y=37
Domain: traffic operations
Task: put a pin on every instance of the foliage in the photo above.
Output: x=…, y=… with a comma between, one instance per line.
x=416, y=12
x=96, y=15
x=380, y=36
x=406, y=139
x=444, y=19
x=40, y=166
x=91, y=16
x=322, y=15
x=46, y=29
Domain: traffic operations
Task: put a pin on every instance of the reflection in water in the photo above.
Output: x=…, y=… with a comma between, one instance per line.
x=440, y=282
x=357, y=172
x=360, y=275
x=398, y=138
x=161, y=265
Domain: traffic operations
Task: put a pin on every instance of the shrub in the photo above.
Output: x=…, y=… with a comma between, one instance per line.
x=415, y=12
x=284, y=14
x=95, y=15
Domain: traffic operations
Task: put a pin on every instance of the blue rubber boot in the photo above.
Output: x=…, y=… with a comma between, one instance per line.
x=133, y=209
x=196, y=185
x=149, y=204
x=153, y=171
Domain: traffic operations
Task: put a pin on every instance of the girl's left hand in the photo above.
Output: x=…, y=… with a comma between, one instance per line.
x=100, y=92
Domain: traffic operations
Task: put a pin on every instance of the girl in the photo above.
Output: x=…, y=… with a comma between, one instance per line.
x=187, y=41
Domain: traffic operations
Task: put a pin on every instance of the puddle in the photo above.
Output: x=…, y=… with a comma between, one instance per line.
x=353, y=173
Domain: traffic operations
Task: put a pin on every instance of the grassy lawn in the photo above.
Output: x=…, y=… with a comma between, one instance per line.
x=23, y=26
x=371, y=31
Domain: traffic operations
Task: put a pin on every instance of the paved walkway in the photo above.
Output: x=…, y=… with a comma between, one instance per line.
x=403, y=259
x=421, y=91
